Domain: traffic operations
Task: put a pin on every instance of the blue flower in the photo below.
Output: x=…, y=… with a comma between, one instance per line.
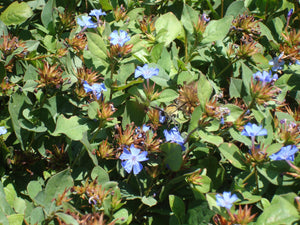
x=3, y=130
x=116, y=39
x=285, y=153
x=146, y=72
x=252, y=130
x=264, y=76
x=96, y=88
x=174, y=136
x=290, y=13
x=277, y=63
x=205, y=18
x=132, y=159
x=86, y=22
x=97, y=13
x=226, y=200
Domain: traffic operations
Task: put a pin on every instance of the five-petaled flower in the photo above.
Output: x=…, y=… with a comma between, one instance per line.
x=146, y=72
x=285, y=153
x=226, y=200
x=96, y=88
x=174, y=136
x=252, y=130
x=86, y=22
x=264, y=76
x=277, y=62
x=131, y=159
x=119, y=38
x=3, y=130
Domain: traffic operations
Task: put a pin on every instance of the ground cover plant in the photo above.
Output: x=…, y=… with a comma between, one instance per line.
x=150, y=112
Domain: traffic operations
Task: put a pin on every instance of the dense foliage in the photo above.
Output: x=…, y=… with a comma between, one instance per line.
x=150, y=112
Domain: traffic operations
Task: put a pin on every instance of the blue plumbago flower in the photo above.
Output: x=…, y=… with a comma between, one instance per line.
x=132, y=159
x=116, y=39
x=96, y=88
x=265, y=76
x=285, y=153
x=226, y=200
x=290, y=13
x=3, y=130
x=97, y=13
x=146, y=72
x=252, y=130
x=205, y=18
x=277, y=63
x=174, y=136
x=86, y=22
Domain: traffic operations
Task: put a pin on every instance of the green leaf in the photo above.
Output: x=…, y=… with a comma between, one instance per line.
x=100, y=174
x=15, y=219
x=96, y=45
x=273, y=171
x=93, y=110
x=121, y=216
x=149, y=201
x=68, y=219
x=177, y=206
x=205, y=185
x=89, y=148
x=197, y=114
x=281, y=211
x=47, y=16
x=167, y=95
x=169, y=27
x=106, y=5
x=217, y=30
x=235, y=87
x=232, y=153
x=10, y=194
x=189, y=18
x=17, y=103
x=74, y=127
x=205, y=90
x=4, y=206
x=33, y=188
x=56, y=185
x=235, y=8
x=235, y=112
x=125, y=71
x=16, y=13
x=210, y=138
x=173, y=155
